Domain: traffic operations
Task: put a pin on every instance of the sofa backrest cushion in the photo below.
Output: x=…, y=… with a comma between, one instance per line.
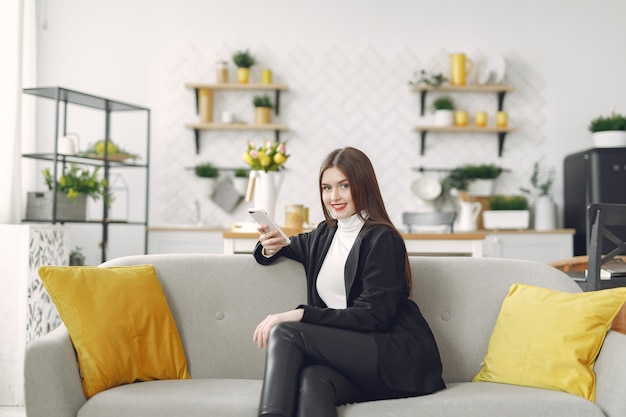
x=461, y=299
x=217, y=301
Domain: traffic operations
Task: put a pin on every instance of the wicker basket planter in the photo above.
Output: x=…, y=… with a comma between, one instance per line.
x=39, y=206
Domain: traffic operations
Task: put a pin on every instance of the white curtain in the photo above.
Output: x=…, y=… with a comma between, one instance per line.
x=17, y=38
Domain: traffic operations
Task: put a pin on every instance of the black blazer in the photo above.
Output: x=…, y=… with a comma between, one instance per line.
x=377, y=302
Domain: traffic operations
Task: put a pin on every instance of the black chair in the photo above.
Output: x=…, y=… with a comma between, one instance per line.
x=600, y=217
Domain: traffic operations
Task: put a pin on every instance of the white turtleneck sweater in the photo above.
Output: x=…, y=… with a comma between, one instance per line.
x=331, y=284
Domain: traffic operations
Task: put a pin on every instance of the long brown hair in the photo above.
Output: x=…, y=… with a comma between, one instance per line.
x=358, y=169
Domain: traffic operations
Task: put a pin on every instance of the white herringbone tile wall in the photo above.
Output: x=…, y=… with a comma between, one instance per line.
x=336, y=98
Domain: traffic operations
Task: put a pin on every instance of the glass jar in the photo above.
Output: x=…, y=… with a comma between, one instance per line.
x=294, y=216
x=221, y=72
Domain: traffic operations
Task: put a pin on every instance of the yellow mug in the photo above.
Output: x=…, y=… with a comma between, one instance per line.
x=461, y=67
x=481, y=119
x=502, y=119
x=266, y=76
x=460, y=118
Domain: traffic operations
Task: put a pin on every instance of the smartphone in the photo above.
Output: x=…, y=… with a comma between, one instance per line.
x=261, y=217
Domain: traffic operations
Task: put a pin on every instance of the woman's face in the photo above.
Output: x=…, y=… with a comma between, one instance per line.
x=336, y=194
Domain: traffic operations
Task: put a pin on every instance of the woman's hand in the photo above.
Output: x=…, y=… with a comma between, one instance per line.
x=262, y=331
x=272, y=241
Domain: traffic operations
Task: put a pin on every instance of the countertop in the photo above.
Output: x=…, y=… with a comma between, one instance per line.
x=247, y=234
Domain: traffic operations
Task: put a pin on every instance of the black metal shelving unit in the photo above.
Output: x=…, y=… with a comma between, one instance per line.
x=64, y=97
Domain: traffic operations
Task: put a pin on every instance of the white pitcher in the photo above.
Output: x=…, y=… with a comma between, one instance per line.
x=467, y=216
x=265, y=187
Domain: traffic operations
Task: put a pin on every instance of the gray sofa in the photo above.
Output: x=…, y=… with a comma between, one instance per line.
x=217, y=300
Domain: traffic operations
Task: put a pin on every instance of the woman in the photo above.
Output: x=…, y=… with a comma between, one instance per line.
x=359, y=337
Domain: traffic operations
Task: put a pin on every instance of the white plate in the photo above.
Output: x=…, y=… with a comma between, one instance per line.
x=492, y=71
x=483, y=74
x=426, y=188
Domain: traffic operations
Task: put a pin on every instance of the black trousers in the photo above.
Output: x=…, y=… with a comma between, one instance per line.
x=311, y=369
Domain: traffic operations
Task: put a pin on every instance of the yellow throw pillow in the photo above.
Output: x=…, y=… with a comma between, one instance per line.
x=119, y=322
x=550, y=339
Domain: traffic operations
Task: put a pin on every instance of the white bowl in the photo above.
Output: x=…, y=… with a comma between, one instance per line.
x=426, y=188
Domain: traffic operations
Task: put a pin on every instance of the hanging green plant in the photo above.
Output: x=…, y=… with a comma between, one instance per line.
x=206, y=170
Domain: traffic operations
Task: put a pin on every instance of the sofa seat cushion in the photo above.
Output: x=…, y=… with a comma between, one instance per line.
x=240, y=397
x=480, y=399
x=189, y=398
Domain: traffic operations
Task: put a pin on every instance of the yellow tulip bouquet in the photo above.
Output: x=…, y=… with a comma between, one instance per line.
x=271, y=156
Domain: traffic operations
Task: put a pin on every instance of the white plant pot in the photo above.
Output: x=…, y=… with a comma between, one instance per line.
x=241, y=185
x=209, y=185
x=506, y=219
x=443, y=118
x=480, y=187
x=545, y=214
x=609, y=139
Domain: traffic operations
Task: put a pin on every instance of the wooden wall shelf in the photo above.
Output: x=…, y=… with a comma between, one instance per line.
x=235, y=86
x=500, y=91
x=197, y=127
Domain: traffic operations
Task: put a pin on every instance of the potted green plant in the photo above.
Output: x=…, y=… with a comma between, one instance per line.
x=262, y=109
x=240, y=180
x=444, y=111
x=427, y=78
x=243, y=60
x=76, y=257
x=608, y=132
x=477, y=180
x=507, y=212
x=541, y=183
x=209, y=173
x=73, y=187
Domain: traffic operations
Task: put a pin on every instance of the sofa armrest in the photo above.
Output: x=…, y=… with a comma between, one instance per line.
x=610, y=369
x=52, y=384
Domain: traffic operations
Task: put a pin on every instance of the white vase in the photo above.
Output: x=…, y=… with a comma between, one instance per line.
x=266, y=188
x=545, y=213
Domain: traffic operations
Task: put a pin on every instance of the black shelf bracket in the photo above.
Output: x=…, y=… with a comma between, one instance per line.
x=196, y=133
x=277, y=103
x=501, y=95
x=501, y=137
x=423, y=142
